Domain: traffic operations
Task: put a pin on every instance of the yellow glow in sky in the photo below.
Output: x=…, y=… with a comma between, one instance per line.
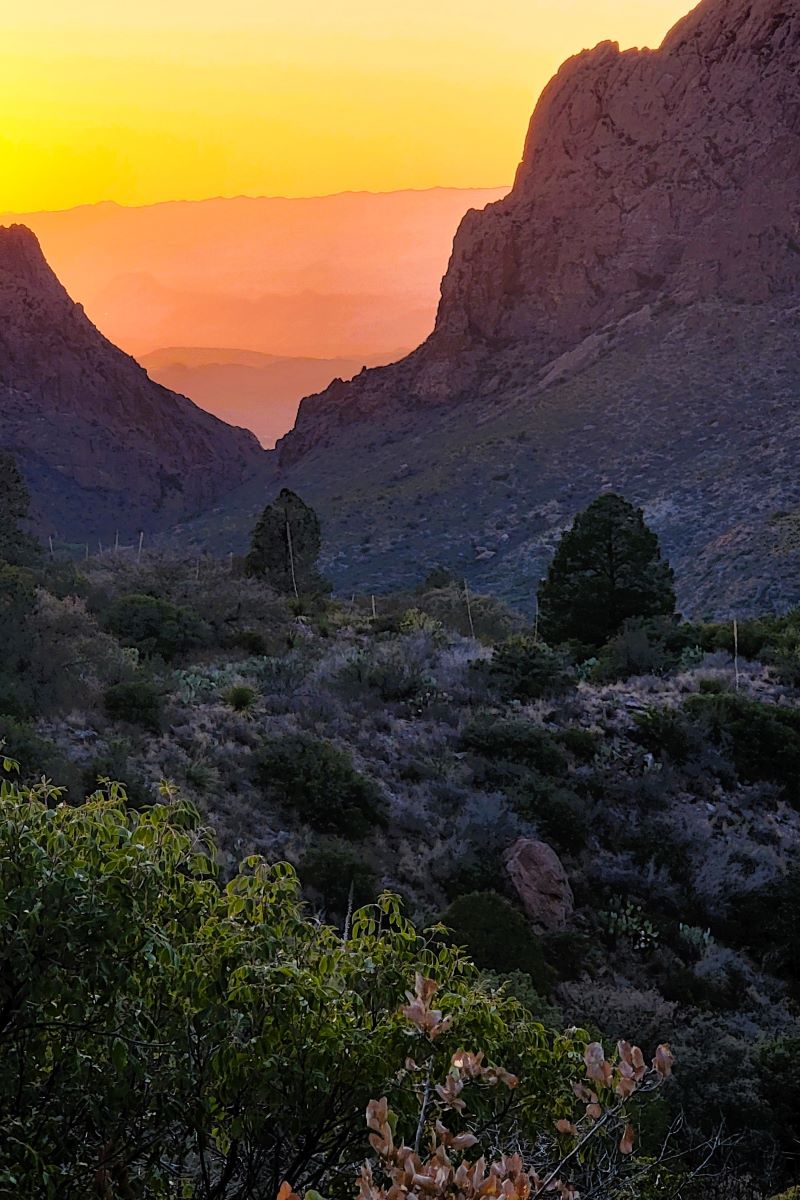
x=145, y=100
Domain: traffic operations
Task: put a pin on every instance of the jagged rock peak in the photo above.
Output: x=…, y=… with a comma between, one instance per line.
x=649, y=177
x=22, y=259
x=103, y=447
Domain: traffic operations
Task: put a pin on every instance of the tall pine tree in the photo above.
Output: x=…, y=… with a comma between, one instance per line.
x=607, y=568
x=285, y=546
x=16, y=544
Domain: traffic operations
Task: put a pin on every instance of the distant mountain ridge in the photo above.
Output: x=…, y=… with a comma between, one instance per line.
x=262, y=392
x=350, y=275
x=102, y=446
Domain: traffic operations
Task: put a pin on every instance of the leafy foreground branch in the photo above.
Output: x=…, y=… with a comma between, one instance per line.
x=165, y=1035
x=399, y=1170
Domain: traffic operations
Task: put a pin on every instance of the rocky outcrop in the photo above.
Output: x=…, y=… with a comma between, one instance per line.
x=626, y=318
x=649, y=178
x=103, y=448
x=541, y=883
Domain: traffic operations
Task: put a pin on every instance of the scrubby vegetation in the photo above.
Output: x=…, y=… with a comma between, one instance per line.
x=416, y=749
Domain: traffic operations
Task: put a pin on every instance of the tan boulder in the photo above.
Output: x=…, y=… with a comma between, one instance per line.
x=541, y=883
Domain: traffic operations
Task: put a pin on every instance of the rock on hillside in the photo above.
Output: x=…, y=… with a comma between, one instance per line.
x=103, y=448
x=627, y=317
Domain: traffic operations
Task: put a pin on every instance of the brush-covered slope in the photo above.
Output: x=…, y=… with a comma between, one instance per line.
x=628, y=316
x=102, y=446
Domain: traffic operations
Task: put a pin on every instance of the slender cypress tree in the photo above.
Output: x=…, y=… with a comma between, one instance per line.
x=607, y=568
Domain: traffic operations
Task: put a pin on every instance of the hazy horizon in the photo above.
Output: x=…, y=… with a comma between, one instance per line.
x=184, y=100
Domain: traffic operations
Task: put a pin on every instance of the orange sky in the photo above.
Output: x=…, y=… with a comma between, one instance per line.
x=146, y=100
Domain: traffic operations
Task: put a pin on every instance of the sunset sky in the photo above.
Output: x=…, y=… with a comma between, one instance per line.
x=149, y=100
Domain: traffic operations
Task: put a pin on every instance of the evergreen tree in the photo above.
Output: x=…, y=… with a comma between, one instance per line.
x=285, y=546
x=16, y=545
x=607, y=568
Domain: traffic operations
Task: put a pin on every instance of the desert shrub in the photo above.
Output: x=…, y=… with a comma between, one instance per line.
x=492, y=620
x=318, y=782
x=516, y=740
x=643, y=647
x=71, y=660
x=138, y=702
x=393, y=676
x=119, y=762
x=252, y=641
x=767, y=922
x=240, y=697
x=523, y=668
x=711, y=685
x=415, y=620
x=763, y=740
x=569, y=953
x=37, y=755
x=607, y=568
x=496, y=935
x=667, y=731
x=17, y=600
x=155, y=626
x=337, y=873
x=523, y=988
x=753, y=636
x=781, y=650
x=562, y=817
x=610, y=1009
x=580, y=743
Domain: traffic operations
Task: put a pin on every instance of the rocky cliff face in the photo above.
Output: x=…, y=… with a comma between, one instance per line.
x=649, y=177
x=102, y=446
x=626, y=318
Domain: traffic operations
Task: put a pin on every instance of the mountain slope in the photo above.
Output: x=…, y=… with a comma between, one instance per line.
x=627, y=317
x=103, y=447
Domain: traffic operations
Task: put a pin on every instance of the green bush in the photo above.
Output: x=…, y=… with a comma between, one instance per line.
x=644, y=647
x=517, y=741
x=331, y=868
x=155, y=1019
x=711, y=686
x=777, y=1065
x=319, y=783
x=580, y=743
x=155, y=627
x=17, y=600
x=562, y=817
x=666, y=731
x=254, y=643
x=240, y=697
x=37, y=755
x=137, y=702
x=495, y=934
x=766, y=921
x=762, y=740
x=523, y=668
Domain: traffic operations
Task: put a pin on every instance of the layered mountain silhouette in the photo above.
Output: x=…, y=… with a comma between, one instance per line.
x=628, y=318
x=354, y=275
x=244, y=387
x=102, y=446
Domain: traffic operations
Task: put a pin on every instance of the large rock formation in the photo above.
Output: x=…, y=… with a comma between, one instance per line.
x=541, y=883
x=648, y=178
x=103, y=448
x=629, y=316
